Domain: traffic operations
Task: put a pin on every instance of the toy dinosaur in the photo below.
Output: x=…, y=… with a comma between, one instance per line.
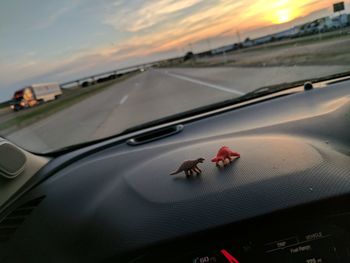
x=225, y=156
x=189, y=167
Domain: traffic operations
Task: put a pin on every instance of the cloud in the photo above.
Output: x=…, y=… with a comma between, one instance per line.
x=149, y=14
x=205, y=22
x=55, y=15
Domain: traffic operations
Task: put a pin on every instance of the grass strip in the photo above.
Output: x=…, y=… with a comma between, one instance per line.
x=69, y=98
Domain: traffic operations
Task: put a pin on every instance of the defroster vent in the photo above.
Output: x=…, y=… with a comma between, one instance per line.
x=13, y=220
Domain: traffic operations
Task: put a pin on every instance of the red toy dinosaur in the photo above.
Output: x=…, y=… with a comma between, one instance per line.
x=225, y=156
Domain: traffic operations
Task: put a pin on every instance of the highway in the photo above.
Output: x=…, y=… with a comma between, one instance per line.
x=151, y=95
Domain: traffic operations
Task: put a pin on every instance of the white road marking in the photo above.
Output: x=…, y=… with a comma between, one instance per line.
x=205, y=84
x=124, y=99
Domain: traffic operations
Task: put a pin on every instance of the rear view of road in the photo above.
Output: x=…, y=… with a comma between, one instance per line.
x=149, y=96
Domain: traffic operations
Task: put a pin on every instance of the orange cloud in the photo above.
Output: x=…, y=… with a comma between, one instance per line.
x=148, y=15
x=281, y=11
x=232, y=16
x=227, y=16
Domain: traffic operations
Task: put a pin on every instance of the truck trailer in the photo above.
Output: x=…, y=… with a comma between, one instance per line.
x=35, y=94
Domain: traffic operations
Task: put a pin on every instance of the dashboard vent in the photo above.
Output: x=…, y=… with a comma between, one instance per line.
x=13, y=220
x=155, y=135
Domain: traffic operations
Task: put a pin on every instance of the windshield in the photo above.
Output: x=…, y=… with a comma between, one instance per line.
x=18, y=95
x=94, y=69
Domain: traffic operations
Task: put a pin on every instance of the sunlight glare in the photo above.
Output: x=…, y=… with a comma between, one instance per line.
x=284, y=15
x=282, y=11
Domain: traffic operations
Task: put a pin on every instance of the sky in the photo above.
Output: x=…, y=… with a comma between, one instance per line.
x=58, y=41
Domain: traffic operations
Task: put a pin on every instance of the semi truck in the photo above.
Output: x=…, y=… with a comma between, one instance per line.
x=35, y=94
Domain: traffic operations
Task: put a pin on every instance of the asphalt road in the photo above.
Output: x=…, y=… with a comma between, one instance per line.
x=149, y=96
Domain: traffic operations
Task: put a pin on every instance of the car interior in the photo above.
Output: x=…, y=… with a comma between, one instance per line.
x=286, y=199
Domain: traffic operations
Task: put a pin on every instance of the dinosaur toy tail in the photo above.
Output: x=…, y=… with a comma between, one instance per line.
x=215, y=160
x=236, y=154
x=176, y=172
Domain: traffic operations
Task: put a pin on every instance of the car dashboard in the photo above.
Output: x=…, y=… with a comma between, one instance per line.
x=301, y=235
x=285, y=200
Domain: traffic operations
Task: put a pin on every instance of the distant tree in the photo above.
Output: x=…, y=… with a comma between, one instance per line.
x=188, y=56
x=85, y=84
x=247, y=40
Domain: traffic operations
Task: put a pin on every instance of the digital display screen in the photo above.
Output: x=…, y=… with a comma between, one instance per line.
x=284, y=241
x=315, y=247
x=312, y=246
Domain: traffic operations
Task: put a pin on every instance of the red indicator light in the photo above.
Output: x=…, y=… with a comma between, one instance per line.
x=228, y=256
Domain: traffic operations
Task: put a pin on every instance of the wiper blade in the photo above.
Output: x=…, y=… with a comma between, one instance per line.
x=285, y=86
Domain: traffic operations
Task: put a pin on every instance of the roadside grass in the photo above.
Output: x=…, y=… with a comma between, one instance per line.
x=70, y=97
x=308, y=57
x=4, y=105
x=315, y=38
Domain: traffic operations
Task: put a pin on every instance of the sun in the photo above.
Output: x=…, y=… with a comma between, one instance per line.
x=284, y=15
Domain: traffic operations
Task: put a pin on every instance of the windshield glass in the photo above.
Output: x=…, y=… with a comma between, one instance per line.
x=18, y=95
x=93, y=69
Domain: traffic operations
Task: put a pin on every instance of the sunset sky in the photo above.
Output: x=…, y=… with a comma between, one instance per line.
x=57, y=41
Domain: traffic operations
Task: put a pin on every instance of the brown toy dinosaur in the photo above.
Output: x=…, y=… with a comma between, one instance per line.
x=189, y=167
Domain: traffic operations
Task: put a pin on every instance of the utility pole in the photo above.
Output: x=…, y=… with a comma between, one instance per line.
x=191, y=47
x=238, y=36
x=225, y=57
x=209, y=44
x=194, y=56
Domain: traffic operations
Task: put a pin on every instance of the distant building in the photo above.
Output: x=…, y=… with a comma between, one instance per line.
x=325, y=24
x=269, y=38
x=319, y=25
x=248, y=43
x=340, y=21
x=263, y=40
x=287, y=33
x=222, y=49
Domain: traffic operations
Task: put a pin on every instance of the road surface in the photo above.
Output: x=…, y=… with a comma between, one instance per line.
x=149, y=96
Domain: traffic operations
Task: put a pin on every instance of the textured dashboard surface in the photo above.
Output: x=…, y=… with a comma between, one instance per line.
x=262, y=158
x=295, y=150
